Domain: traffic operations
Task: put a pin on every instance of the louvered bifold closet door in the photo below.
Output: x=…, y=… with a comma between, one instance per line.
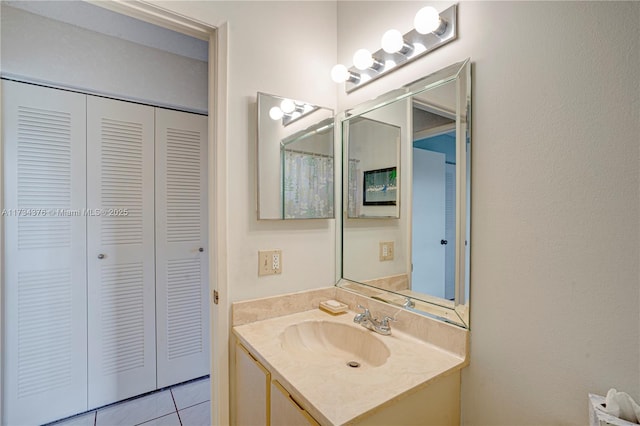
x=45, y=331
x=120, y=250
x=181, y=247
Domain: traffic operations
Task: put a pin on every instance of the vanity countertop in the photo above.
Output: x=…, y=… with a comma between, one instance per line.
x=333, y=393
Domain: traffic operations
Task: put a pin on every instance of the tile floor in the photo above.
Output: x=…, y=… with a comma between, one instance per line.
x=181, y=405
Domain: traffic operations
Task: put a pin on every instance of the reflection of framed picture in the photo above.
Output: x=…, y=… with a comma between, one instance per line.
x=380, y=187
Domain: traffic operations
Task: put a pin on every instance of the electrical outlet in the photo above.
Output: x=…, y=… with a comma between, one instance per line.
x=269, y=262
x=386, y=250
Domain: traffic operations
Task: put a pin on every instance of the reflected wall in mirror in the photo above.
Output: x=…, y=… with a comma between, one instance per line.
x=429, y=271
x=295, y=159
x=373, y=167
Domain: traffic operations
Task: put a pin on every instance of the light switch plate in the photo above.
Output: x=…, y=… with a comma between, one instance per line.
x=269, y=262
x=386, y=250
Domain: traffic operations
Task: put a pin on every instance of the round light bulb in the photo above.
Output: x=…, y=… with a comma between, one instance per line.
x=288, y=106
x=295, y=115
x=339, y=73
x=275, y=113
x=427, y=20
x=392, y=41
x=362, y=59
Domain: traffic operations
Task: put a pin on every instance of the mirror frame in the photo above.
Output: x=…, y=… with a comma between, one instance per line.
x=458, y=314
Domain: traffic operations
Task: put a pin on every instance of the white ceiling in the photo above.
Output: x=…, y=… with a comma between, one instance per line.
x=95, y=18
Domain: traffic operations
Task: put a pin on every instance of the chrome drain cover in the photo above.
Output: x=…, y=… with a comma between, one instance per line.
x=353, y=364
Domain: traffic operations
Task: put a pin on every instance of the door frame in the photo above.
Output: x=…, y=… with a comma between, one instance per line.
x=217, y=36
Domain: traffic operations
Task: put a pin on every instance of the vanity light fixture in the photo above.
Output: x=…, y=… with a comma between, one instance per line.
x=392, y=41
x=431, y=30
x=363, y=59
x=340, y=74
x=428, y=20
x=276, y=113
x=287, y=106
x=290, y=111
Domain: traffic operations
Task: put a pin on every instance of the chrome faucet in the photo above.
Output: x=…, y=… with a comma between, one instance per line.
x=367, y=321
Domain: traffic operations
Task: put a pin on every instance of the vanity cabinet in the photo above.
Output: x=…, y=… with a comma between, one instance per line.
x=262, y=401
x=252, y=389
x=416, y=382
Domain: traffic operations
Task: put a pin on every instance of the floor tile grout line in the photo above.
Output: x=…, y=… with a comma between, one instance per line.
x=156, y=418
x=190, y=407
x=175, y=405
x=153, y=418
x=193, y=405
x=165, y=414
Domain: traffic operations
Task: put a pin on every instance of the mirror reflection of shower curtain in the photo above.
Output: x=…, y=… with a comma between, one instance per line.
x=355, y=184
x=307, y=185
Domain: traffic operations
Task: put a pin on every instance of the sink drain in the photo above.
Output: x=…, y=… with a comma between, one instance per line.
x=353, y=364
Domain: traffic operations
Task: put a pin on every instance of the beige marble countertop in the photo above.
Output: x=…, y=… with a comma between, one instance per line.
x=333, y=393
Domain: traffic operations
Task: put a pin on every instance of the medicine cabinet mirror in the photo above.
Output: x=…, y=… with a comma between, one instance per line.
x=295, y=159
x=414, y=252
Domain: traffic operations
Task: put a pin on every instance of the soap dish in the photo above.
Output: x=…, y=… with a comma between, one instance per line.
x=333, y=307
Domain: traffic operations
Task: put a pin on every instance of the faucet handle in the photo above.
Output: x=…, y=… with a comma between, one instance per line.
x=365, y=315
x=386, y=319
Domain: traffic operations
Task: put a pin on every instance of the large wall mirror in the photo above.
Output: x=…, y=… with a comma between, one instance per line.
x=295, y=159
x=411, y=250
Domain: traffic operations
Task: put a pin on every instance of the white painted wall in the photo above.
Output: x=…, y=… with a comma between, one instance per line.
x=555, y=197
x=99, y=19
x=46, y=50
x=286, y=48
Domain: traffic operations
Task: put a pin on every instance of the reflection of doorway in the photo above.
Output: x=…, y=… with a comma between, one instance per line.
x=428, y=255
x=433, y=217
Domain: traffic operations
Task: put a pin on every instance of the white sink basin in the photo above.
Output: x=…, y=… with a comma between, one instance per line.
x=328, y=341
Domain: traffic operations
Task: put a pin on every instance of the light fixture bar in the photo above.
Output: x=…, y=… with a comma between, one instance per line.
x=429, y=41
x=300, y=112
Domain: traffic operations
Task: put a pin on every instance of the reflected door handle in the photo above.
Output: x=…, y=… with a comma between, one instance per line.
x=101, y=256
x=443, y=242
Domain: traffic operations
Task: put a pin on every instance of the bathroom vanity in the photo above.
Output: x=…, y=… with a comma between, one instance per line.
x=404, y=246
x=297, y=364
